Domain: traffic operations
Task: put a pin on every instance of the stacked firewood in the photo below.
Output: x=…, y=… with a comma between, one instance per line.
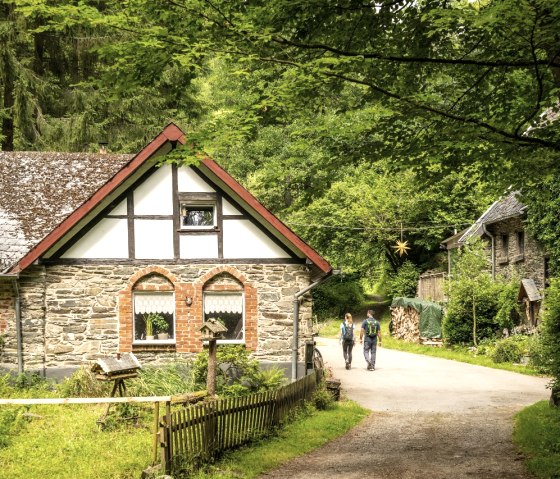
x=406, y=323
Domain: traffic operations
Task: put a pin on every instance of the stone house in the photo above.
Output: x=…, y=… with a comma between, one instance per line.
x=93, y=247
x=510, y=250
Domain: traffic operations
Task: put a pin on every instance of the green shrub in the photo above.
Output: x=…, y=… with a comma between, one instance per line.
x=537, y=354
x=510, y=350
x=404, y=282
x=322, y=399
x=473, y=298
x=336, y=297
x=162, y=380
x=237, y=373
x=82, y=383
x=551, y=335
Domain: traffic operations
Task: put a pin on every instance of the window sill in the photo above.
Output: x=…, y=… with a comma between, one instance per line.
x=227, y=341
x=198, y=230
x=518, y=258
x=156, y=342
x=502, y=260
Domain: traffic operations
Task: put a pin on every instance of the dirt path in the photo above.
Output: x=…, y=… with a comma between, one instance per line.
x=431, y=418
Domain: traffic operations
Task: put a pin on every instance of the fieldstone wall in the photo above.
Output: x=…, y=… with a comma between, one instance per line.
x=527, y=261
x=70, y=314
x=7, y=319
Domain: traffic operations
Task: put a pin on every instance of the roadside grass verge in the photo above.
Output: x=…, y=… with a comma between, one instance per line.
x=537, y=435
x=310, y=430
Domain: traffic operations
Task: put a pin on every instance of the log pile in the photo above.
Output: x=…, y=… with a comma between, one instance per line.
x=406, y=323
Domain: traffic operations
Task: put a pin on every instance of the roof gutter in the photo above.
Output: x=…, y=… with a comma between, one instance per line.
x=297, y=297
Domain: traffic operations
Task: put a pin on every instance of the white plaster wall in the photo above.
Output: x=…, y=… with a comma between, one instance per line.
x=228, y=208
x=242, y=239
x=198, y=246
x=155, y=195
x=153, y=239
x=189, y=182
x=120, y=209
x=107, y=239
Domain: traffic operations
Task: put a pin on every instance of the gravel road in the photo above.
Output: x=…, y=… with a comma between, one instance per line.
x=431, y=418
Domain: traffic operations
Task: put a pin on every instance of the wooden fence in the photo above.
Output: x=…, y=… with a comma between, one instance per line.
x=199, y=432
x=430, y=287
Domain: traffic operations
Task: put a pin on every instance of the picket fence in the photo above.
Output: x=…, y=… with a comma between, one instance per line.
x=200, y=432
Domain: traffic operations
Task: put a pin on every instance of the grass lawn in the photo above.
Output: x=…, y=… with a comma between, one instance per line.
x=64, y=442
x=296, y=439
x=537, y=435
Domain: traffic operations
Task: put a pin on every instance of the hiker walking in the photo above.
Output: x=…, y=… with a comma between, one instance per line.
x=369, y=334
x=347, y=339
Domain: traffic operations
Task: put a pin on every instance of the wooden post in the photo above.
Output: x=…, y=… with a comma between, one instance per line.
x=156, y=434
x=212, y=365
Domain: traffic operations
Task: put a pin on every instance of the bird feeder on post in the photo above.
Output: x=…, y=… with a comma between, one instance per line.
x=211, y=331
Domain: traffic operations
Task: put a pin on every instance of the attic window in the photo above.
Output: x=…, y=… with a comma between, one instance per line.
x=197, y=215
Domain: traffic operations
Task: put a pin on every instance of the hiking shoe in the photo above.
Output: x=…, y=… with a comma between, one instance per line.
x=369, y=367
x=347, y=366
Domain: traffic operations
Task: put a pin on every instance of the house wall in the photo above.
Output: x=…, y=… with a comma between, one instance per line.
x=71, y=314
x=528, y=263
x=7, y=317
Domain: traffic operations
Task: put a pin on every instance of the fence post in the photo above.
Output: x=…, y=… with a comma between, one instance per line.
x=156, y=433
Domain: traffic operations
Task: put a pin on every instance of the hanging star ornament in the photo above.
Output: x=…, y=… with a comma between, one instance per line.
x=401, y=247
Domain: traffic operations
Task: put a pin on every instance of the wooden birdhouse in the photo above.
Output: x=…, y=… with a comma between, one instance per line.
x=212, y=329
x=123, y=366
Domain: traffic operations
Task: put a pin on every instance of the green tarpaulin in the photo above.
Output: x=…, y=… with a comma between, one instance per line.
x=430, y=313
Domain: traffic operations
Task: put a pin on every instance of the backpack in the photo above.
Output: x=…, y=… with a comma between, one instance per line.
x=372, y=328
x=347, y=333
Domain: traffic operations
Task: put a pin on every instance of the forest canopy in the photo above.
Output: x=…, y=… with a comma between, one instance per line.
x=358, y=123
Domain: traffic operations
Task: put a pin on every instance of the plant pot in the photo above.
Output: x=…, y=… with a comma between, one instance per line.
x=163, y=336
x=149, y=338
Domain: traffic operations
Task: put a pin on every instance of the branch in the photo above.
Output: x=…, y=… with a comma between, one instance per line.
x=392, y=58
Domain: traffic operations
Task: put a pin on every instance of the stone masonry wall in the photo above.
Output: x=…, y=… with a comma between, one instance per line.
x=7, y=320
x=528, y=263
x=70, y=314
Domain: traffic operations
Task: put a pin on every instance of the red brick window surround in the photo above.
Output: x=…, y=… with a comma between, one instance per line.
x=189, y=306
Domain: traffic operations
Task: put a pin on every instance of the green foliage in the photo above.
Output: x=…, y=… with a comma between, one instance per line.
x=322, y=399
x=336, y=297
x=405, y=281
x=82, y=383
x=510, y=350
x=550, y=332
x=473, y=298
x=537, y=434
x=509, y=311
x=237, y=374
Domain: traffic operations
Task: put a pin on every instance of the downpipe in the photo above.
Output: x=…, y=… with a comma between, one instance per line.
x=493, y=246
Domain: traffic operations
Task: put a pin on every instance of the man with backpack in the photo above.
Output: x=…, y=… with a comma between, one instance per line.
x=347, y=339
x=370, y=335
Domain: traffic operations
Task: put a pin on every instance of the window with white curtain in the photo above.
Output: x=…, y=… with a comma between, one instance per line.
x=228, y=308
x=154, y=313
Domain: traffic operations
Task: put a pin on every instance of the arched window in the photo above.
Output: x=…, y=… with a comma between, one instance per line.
x=153, y=311
x=224, y=299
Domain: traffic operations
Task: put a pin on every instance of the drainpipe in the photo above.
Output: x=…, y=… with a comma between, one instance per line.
x=493, y=253
x=295, y=343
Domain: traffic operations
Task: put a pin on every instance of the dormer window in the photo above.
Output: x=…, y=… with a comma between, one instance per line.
x=197, y=215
